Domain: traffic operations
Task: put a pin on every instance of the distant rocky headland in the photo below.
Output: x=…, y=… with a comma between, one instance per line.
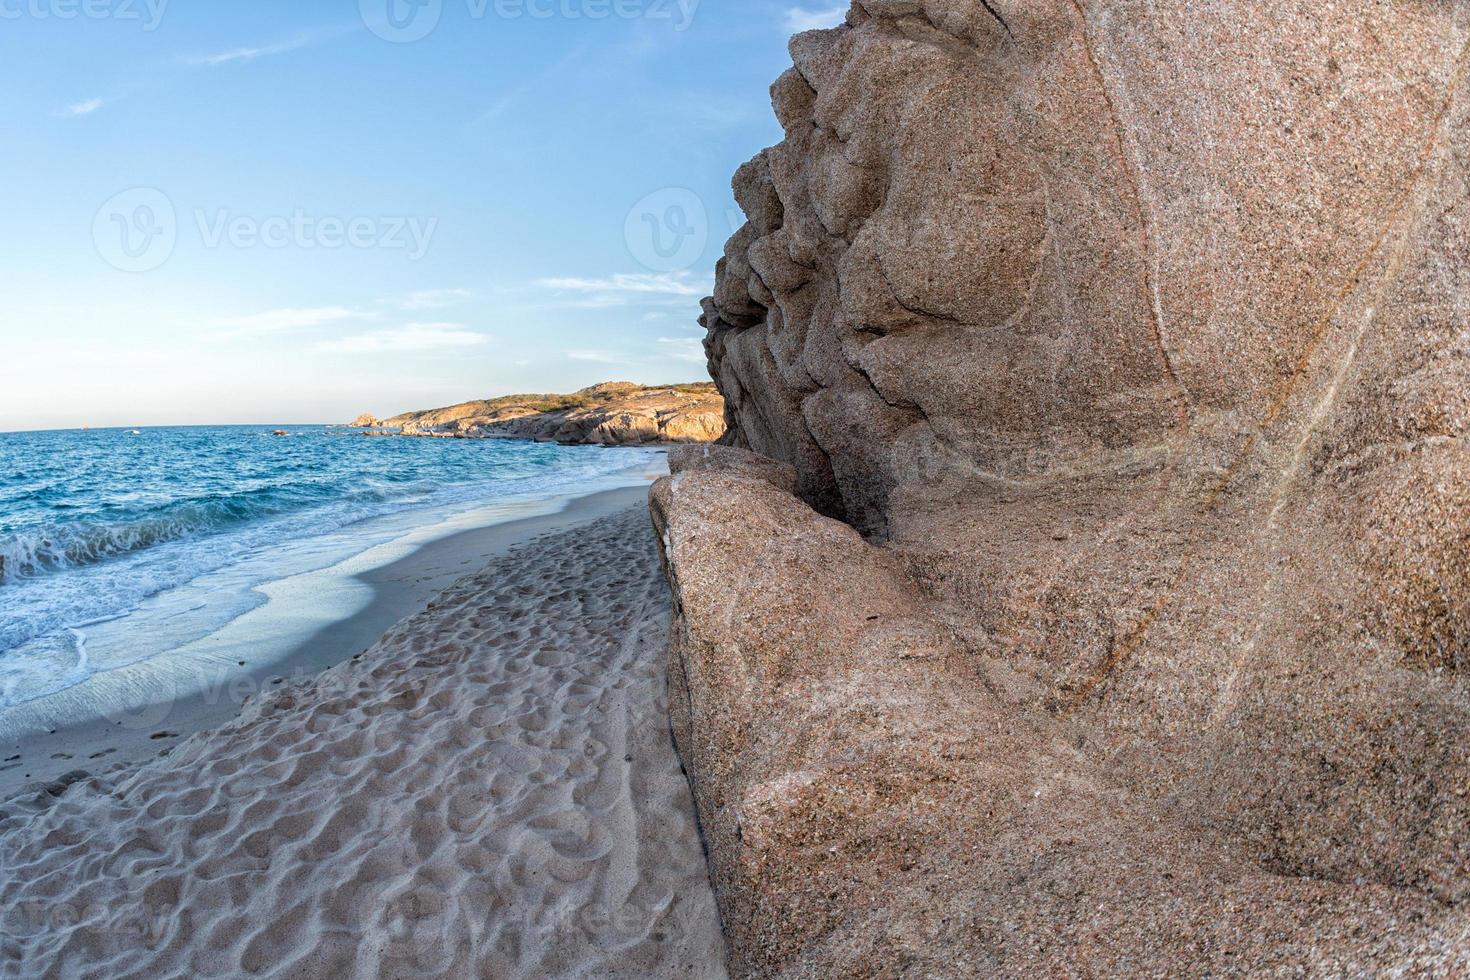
x=617, y=413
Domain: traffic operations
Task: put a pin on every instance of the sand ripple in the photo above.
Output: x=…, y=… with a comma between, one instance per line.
x=490, y=791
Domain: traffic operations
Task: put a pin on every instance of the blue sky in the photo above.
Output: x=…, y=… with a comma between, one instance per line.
x=271, y=211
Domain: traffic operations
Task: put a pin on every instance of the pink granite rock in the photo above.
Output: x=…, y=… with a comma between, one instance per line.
x=1132, y=338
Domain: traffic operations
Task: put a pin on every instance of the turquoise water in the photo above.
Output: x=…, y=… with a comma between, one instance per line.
x=96, y=524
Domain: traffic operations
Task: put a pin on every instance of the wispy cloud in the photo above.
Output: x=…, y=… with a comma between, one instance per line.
x=504, y=104
x=433, y=299
x=405, y=339
x=299, y=318
x=683, y=303
x=683, y=349
x=800, y=19
x=215, y=59
x=596, y=356
x=254, y=52
x=248, y=53
x=668, y=284
x=516, y=94
x=84, y=108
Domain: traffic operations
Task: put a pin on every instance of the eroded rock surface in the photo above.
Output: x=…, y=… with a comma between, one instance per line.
x=1133, y=340
x=616, y=413
x=882, y=796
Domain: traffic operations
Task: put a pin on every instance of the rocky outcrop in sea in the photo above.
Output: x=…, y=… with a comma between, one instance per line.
x=1085, y=587
x=617, y=413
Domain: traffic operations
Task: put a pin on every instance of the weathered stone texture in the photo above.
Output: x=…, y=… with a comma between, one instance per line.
x=1132, y=338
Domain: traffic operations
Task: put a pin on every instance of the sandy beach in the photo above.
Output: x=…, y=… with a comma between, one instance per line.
x=835, y=490
x=490, y=789
x=312, y=622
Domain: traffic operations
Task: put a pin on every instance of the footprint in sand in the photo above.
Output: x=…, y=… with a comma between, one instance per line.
x=388, y=819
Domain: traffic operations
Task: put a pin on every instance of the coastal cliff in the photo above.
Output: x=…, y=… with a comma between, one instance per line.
x=1099, y=600
x=616, y=413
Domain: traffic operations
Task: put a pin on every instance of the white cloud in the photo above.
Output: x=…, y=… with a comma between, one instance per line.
x=667, y=284
x=274, y=321
x=607, y=301
x=684, y=349
x=675, y=291
x=681, y=320
x=596, y=356
x=799, y=19
x=85, y=108
x=244, y=53
x=514, y=96
x=592, y=303
x=411, y=337
x=249, y=53
x=433, y=299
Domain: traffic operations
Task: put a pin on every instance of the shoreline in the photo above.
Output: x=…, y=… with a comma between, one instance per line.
x=491, y=789
x=135, y=717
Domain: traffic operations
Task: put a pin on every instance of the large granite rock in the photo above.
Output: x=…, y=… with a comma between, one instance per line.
x=617, y=413
x=1132, y=338
x=883, y=796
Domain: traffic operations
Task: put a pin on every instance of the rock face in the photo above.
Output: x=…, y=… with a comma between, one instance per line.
x=617, y=413
x=364, y=421
x=1131, y=341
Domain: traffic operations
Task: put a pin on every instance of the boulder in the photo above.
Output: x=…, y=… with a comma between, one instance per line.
x=885, y=795
x=1131, y=338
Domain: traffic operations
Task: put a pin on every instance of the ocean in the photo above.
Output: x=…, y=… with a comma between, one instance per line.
x=120, y=545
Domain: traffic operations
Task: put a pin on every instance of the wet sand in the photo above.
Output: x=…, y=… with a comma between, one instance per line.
x=138, y=712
